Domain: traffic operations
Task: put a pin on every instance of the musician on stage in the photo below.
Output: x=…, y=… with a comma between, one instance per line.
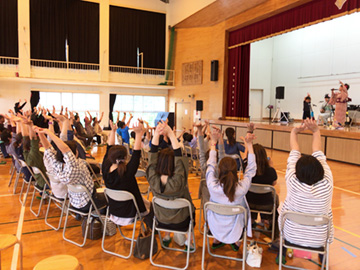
x=307, y=108
x=340, y=99
x=325, y=111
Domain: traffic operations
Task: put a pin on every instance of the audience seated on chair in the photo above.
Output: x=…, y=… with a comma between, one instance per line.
x=70, y=169
x=123, y=129
x=167, y=175
x=265, y=175
x=226, y=188
x=309, y=184
x=119, y=174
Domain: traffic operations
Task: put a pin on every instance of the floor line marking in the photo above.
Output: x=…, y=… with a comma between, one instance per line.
x=346, y=190
x=342, y=241
x=341, y=229
x=348, y=251
x=18, y=235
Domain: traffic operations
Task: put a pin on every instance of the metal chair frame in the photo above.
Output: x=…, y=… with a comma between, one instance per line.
x=172, y=204
x=120, y=196
x=23, y=164
x=34, y=171
x=227, y=210
x=89, y=214
x=60, y=203
x=309, y=220
x=262, y=189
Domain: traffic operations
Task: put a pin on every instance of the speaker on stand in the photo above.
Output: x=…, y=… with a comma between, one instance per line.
x=279, y=95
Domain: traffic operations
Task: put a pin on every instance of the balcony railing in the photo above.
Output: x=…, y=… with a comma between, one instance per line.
x=50, y=69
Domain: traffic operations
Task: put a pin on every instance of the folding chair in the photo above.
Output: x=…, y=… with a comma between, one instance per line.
x=59, y=202
x=226, y=210
x=202, y=202
x=23, y=164
x=144, y=158
x=12, y=170
x=89, y=214
x=262, y=189
x=172, y=204
x=36, y=170
x=142, y=173
x=120, y=196
x=18, y=173
x=189, y=153
x=96, y=176
x=119, y=139
x=307, y=220
x=128, y=150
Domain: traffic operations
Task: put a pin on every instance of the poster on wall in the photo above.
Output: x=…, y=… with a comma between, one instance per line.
x=192, y=73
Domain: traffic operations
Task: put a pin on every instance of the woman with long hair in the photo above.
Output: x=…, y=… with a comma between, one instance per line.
x=265, y=175
x=167, y=174
x=119, y=174
x=226, y=188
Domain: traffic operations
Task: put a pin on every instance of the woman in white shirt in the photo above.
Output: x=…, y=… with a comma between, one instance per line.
x=226, y=188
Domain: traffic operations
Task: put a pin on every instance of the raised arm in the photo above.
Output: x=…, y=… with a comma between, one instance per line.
x=101, y=117
x=294, y=145
x=63, y=147
x=316, y=143
x=128, y=122
x=139, y=131
x=111, y=139
x=45, y=143
x=171, y=135
x=124, y=117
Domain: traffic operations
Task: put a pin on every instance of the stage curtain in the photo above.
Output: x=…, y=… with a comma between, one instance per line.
x=317, y=10
x=237, y=100
x=83, y=31
x=131, y=29
x=34, y=99
x=48, y=29
x=111, y=106
x=8, y=28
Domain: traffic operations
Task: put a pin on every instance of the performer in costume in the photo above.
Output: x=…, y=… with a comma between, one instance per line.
x=307, y=107
x=325, y=110
x=340, y=99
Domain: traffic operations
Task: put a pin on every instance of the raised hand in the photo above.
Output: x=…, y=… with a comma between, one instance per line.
x=159, y=128
x=251, y=127
x=298, y=129
x=139, y=128
x=113, y=126
x=249, y=138
x=40, y=130
x=215, y=134
x=311, y=125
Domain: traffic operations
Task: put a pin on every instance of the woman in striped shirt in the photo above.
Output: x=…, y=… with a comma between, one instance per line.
x=309, y=184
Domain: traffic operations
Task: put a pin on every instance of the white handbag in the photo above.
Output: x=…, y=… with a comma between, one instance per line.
x=254, y=255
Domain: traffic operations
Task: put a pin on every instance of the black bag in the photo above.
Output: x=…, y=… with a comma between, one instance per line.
x=95, y=228
x=143, y=243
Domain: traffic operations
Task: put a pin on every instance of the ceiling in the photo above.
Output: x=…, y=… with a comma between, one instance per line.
x=217, y=12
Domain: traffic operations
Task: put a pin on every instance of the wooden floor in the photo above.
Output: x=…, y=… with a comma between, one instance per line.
x=40, y=241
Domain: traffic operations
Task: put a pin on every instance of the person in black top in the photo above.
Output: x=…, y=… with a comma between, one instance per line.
x=18, y=107
x=119, y=174
x=265, y=175
x=307, y=107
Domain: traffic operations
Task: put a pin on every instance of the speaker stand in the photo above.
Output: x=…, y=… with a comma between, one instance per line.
x=278, y=113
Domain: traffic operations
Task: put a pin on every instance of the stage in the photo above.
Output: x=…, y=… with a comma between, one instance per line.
x=339, y=145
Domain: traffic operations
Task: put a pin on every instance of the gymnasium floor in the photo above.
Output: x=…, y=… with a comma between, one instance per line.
x=40, y=241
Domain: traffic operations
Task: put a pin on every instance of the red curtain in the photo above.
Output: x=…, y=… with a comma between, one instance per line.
x=237, y=102
x=302, y=15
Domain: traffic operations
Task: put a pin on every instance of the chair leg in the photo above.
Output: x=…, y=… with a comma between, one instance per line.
x=16, y=181
x=41, y=201
x=204, y=246
x=12, y=172
x=200, y=216
x=63, y=205
x=86, y=228
x=280, y=251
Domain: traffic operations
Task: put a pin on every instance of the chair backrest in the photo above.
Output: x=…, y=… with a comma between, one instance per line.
x=262, y=189
x=140, y=173
x=120, y=196
x=23, y=164
x=234, y=156
x=188, y=150
x=224, y=209
x=305, y=219
x=36, y=170
x=172, y=204
x=53, y=178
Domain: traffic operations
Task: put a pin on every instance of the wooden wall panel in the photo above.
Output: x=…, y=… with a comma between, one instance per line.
x=263, y=137
x=281, y=140
x=343, y=150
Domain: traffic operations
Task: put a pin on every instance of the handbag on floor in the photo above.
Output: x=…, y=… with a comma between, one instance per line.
x=143, y=243
x=254, y=255
x=95, y=228
x=110, y=226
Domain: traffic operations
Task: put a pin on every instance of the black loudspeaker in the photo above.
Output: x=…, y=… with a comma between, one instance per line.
x=199, y=105
x=280, y=92
x=214, y=70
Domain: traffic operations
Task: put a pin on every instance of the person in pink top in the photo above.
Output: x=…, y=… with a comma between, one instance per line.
x=340, y=99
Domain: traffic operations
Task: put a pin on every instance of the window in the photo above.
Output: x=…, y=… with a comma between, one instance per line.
x=145, y=107
x=79, y=102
